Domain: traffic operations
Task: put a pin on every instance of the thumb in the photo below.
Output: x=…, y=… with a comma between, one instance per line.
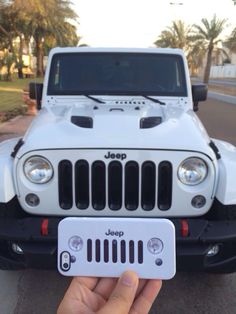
x=122, y=297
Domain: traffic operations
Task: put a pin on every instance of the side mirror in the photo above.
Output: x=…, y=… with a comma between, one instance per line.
x=36, y=92
x=199, y=93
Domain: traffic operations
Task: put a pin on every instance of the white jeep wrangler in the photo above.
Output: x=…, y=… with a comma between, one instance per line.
x=117, y=136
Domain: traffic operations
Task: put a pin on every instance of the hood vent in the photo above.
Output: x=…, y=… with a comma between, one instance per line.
x=150, y=122
x=130, y=102
x=83, y=122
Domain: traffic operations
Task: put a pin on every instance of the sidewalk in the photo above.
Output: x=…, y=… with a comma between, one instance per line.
x=226, y=90
x=15, y=127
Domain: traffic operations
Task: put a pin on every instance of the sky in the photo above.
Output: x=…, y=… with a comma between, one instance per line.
x=137, y=23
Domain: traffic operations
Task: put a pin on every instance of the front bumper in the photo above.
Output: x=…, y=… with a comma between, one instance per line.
x=39, y=245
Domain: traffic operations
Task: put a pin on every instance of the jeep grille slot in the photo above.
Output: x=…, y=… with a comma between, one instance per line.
x=114, y=251
x=65, y=184
x=131, y=185
x=115, y=185
x=148, y=185
x=122, y=251
x=82, y=184
x=98, y=250
x=89, y=250
x=98, y=185
x=164, y=185
x=140, y=252
x=106, y=251
x=131, y=252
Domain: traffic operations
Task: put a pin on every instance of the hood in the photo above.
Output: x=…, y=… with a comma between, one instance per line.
x=116, y=124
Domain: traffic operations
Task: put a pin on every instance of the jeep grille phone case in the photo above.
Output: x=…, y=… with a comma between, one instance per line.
x=105, y=247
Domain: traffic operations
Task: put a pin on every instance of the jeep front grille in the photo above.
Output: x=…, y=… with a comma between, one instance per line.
x=114, y=185
x=115, y=251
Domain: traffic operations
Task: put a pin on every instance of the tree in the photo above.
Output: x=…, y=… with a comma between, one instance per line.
x=46, y=19
x=175, y=36
x=6, y=32
x=231, y=41
x=7, y=61
x=207, y=36
x=195, y=58
x=178, y=36
x=15, y=27
x=69, y=38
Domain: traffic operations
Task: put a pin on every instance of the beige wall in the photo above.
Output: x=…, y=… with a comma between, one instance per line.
x=227, y=70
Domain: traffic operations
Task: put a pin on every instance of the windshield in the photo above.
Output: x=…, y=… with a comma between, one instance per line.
x=117, y=74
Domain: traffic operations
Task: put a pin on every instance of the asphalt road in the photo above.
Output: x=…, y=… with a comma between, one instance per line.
x=39, y=292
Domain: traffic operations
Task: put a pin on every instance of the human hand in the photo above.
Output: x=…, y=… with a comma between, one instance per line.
x=128, y=294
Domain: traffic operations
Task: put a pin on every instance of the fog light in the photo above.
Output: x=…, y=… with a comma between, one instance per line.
x=73, y=259
x=213, y=250
x=155, y=246
x=198, y=201
x=17, y=249
x=75, y=243
x=32, y=200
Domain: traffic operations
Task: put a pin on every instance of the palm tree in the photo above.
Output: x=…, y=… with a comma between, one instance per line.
x=231, y=41
x=195, y=58
x=175, y=36
x=178, y=36
x=207, y=36
x=15, y=27
x=44, y=19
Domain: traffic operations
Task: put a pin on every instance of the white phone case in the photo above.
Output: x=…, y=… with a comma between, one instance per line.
x=106, y=247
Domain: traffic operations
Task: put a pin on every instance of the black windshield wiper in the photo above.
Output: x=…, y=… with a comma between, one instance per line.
x=154, y=100
x=94, y=99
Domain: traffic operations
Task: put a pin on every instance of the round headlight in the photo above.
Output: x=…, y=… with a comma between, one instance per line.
x=155, y=246
x=38, y=169
x=192, y=171
x=75, y=243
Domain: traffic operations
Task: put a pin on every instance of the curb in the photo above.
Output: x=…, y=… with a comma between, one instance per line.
x=222, y=97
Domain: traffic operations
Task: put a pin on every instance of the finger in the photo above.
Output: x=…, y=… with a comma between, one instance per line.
x=122, y=296
x=146, y=297
x=105, y=286
x=89, y=282
x=142, y=283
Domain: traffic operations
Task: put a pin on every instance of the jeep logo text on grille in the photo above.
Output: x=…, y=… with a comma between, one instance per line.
x=114, y=233
x=115, y=156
